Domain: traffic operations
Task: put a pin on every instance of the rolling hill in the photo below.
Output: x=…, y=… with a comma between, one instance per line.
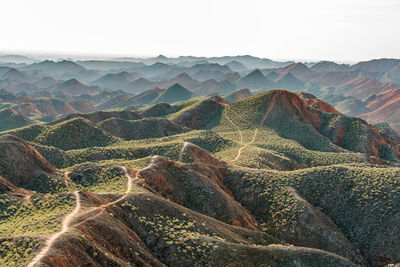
x=205, y=173
x=174, y=94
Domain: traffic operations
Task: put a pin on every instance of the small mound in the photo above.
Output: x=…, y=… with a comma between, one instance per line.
x=205, y=163
x=140, y=129
x=10, y=119
x=255, y=80
x=21, y=164
x=148, y=96
x=83, y=106
x=174, y=94
x=53, y=107
x=119, y=101
x=201, y=114
x=158, y=110
x=210, y=141
x=74, y=134
x=289, y=82
x=183, y=186
x=238, y=95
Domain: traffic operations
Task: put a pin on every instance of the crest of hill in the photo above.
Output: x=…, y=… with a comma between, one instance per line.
x=230, y=77
x=158, y=110
x=212, y=86
x=147, y=97
x=255, y=80
x=208, y=239
x=17, y=76
x=139, y=85
x=57, y=69
x=99, y=116
x=181, y=185
x=116, y=81
x=335, y=78
x=388, y=132
x=75, y=133
x=119, y=101
x=140, y=129
x=75, y=87
x=183, y=79
x=201, y=113
x=377, y=65
x=53, y=106
x=384, y=107
x=18, y=59
x=272, y=75
x=82, y=105
x=316, y=103
x=11, y=119
x=299, y=70
x=238, y=95
x=287, y=113
x=236, y=66
x=174, y=94
x=108, y=65
x=328, y=66
x=21, y=164
x=348, y=105
x=364, y=87
x=288, y=82
x=46, y=82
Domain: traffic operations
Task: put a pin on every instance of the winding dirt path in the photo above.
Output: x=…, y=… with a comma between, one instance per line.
x=237, y=127
x=253, y=139
x=64, y=228
x=182, y=150
x=66, y=223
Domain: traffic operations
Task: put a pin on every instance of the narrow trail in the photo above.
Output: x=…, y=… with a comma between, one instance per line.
x=64, y=228
x=66, y=179
x=128, y=188
x=66, y=223
x=253, y=139
x=237, y=127
x=182, y=150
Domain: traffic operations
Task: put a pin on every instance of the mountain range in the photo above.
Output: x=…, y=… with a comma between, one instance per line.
x=195, y=161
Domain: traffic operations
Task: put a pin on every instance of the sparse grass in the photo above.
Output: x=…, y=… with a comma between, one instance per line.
x=39, y=215
x=18, y=252
x=98, y=178
x=10, y=119
x=360, y=198
x=74, y=134
x=178, y=235
x=28, y=133
x=182, y=107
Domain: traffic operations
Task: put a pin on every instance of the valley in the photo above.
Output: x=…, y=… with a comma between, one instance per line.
x=194, y=161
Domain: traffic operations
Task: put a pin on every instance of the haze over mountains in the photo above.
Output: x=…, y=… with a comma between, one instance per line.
x=367, y=89
x=195, y=161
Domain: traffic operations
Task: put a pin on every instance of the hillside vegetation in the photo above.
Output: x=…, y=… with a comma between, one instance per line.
x=274, y=179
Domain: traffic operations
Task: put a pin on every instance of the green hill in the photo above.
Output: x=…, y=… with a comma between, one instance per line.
x=173, y=94
x=74, y=134
x=10, y=119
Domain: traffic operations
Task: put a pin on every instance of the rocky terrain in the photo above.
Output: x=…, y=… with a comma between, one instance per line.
x=138, y=164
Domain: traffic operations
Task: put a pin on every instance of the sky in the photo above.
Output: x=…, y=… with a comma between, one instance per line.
x=340, y=30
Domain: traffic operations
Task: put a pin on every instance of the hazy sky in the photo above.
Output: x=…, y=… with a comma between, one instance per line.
x=280, y=29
